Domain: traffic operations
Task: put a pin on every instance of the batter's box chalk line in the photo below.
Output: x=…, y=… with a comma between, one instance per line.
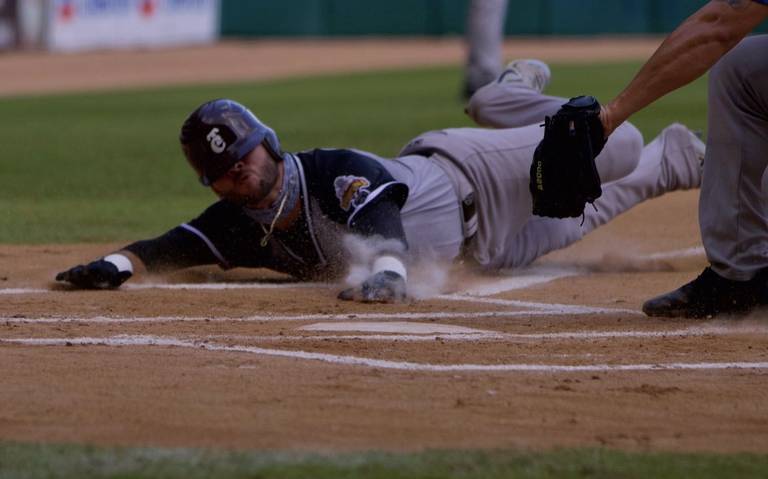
x=529, y=309
x=542, y=310
x=155, y=341
x=517, y=279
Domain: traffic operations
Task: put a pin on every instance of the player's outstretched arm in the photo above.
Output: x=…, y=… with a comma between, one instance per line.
x=687, y=53
x=108, y=272
x=181, y=247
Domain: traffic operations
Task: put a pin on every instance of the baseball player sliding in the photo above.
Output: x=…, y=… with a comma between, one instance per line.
x=450, y=193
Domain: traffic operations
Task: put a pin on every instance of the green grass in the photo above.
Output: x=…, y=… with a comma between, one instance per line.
x=49, y=461
x=107, y=166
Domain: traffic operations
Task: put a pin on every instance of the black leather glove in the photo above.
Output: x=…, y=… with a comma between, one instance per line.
x=98, y=274
x=381, y=287
x=564, y=177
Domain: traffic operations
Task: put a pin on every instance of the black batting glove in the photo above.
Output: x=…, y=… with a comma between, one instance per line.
x=98, y=274
x=381, y=287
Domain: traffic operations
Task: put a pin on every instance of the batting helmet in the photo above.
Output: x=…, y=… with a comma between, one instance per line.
x=220, y=133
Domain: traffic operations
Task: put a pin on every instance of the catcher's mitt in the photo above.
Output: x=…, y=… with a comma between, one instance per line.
x=563, y=174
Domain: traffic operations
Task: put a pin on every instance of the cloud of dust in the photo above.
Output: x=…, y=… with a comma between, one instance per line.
x=621, y=255
x=426, y=278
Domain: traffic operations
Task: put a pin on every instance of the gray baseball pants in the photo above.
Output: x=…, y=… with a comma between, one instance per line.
x=496, y=164
x=732, y=207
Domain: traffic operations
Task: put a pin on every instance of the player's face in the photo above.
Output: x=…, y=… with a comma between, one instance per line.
x=252, y=181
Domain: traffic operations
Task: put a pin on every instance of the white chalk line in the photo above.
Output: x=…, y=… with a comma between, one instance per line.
x=142, y=341
x=520, y=280
x=553, y=308
x=484, y=335
x=515, y=281
x=180, y=286
x=24, y=291
x=544, y=311
x=397, y=327
x=407, y=338
x=680, y=253
x=223, y=286
x=499, y=336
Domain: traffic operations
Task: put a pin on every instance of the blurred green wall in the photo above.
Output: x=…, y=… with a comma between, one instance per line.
x=258, y=18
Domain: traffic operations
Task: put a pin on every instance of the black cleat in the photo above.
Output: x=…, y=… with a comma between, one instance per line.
x=709, y=295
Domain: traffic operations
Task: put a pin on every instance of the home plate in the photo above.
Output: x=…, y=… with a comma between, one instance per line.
x=398, y=327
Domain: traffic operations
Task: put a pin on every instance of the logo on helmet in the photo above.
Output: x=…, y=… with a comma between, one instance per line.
x=216, y=141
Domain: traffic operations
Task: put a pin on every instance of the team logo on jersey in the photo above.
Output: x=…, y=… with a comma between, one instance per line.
x=351, y=191
x=216, y=141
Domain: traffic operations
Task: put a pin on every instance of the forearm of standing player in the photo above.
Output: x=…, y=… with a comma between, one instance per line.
x=688, y=53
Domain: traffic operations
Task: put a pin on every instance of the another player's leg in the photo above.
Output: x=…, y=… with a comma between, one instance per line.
x=485, y=35
x=732, y=208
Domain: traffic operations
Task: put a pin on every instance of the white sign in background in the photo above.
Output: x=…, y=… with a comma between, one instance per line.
x=95, y=24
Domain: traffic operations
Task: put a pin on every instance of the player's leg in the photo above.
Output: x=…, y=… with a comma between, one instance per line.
x=672, y=161
x=485, y=35
x=732, y=208
x=516, y=98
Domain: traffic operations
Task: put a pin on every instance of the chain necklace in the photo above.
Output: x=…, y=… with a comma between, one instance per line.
x=268, y=233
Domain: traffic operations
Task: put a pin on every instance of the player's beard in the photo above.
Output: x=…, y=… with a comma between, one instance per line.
x=257, y=188
x=289, y=193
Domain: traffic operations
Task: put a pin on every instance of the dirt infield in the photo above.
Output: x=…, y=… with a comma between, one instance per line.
x=567, y=361
x=37, y=72
x=558, y=355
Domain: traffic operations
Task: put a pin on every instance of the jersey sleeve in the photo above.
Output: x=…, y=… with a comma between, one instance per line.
x=348, y=182
x=381, y=218
x=221, y=235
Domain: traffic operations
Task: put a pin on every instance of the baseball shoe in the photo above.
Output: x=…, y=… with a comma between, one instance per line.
x=710, y=295
x=532, y=73
x=682, y=158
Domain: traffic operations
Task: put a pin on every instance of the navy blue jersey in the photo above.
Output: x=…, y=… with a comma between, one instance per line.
x=342, y=192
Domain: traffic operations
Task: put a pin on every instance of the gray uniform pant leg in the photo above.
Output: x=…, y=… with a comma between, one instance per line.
x=732, y=207
x=665, y=157
x=541, y=235
x=511, y=105
x=485, y=35
x=497, y=164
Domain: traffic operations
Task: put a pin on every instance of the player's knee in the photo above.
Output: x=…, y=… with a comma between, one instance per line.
x=480, y=105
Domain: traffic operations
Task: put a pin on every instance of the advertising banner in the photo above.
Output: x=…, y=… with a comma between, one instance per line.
x=9, y=33
x=96, y=24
